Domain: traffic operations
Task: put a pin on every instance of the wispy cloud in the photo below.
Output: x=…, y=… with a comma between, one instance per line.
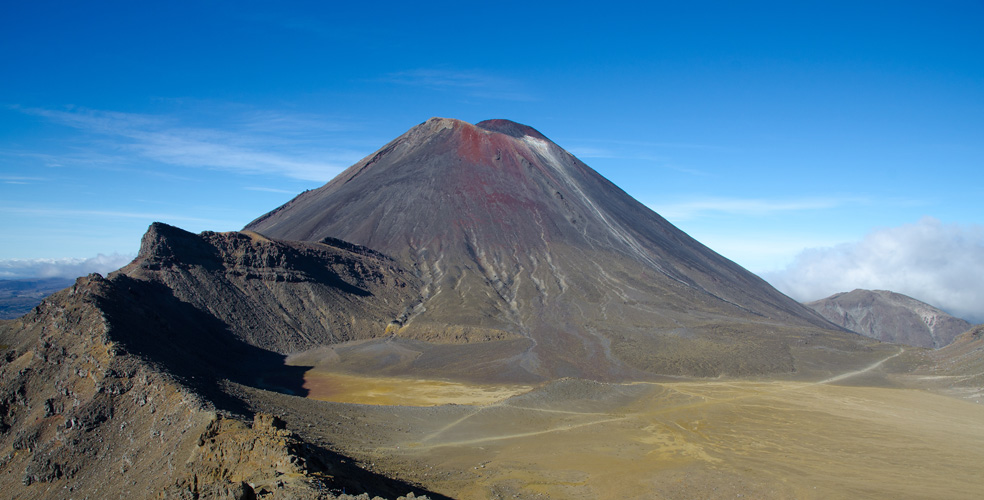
x=87, y=156
x=270, y=190
x=472, y=83
x=618, y=144
x=295, y=125
x=659, y=153
x=937, y=263
x=252, y=143
x=591, y=152
x=65, y=213
x=747, y=206
x=21, y=180
x=62, y=268
x=14, y=178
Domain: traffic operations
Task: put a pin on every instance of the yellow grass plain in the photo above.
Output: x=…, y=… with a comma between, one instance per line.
x=688, y=439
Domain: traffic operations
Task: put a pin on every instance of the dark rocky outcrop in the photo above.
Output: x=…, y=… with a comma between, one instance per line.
x=116, y=387
x=891, y=317
x=275, y=295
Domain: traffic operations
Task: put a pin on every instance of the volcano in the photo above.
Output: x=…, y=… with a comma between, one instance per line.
x=534, y=266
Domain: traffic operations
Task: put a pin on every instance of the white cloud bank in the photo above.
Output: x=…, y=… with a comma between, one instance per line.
x=940, y=264
x=62, y=268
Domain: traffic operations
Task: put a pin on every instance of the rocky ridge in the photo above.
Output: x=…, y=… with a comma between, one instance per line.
x=115, y=387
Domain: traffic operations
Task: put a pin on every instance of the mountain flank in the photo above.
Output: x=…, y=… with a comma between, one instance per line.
x=891, y=317
x=963, y=359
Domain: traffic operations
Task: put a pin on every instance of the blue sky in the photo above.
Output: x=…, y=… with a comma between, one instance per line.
x=763, y=129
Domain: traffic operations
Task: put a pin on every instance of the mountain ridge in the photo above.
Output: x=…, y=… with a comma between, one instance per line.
x=120, y=386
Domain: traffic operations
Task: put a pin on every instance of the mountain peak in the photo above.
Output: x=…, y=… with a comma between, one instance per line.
x=498, y=125
x=510, y=128
x=437, y=123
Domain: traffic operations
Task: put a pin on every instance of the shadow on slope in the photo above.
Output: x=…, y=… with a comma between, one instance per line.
x=201, y=351
x=89, y=404
x=196, y=347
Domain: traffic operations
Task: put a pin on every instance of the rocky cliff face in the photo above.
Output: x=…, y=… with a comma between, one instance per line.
x=891, y=317
x=516, y=241
x=116, y=387
x=81, y=416
x=278, y=296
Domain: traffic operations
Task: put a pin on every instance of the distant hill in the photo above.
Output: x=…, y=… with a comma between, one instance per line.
x=17, y=297
x=891, y=317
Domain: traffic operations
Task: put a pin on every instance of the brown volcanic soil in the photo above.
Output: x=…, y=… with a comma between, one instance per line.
x=957, y=369
x=765, y=438
x=514, y=239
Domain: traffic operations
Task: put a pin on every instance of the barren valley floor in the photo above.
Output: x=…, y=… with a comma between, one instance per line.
x=684, y=439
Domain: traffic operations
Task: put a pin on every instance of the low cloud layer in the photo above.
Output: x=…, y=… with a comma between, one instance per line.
x=940, y=264
x=61, y=268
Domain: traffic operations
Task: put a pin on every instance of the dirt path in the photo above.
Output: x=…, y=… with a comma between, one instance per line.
x=432, y=440
x=503, y=404
x=500, y=437
x=859, y=372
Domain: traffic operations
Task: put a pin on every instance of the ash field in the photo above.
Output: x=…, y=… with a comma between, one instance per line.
x=866, y=433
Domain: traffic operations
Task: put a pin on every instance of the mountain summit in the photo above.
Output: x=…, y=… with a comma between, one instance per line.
x=541, y=265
